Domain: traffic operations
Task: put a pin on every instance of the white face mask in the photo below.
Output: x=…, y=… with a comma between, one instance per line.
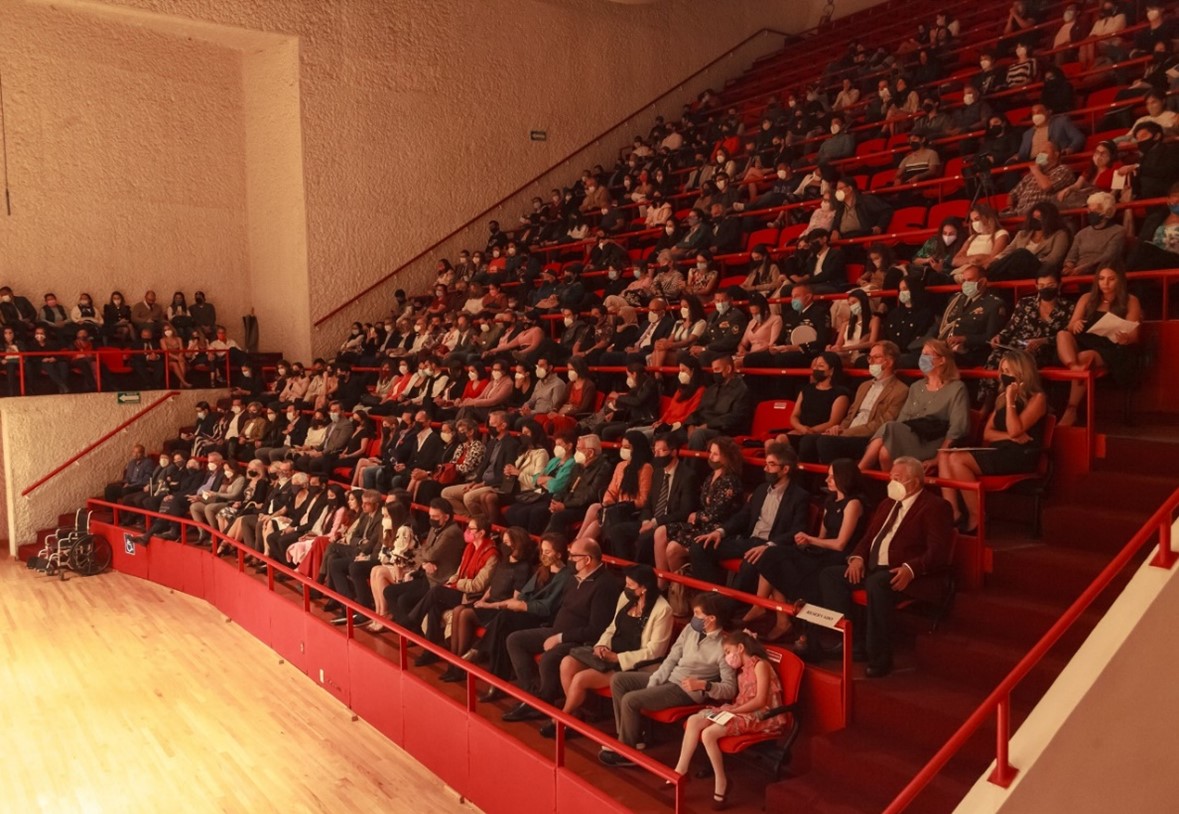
x=856, y=308
x=1070, y=15
x=685, y=377
x=897, y=490
x=1038, y=119
x=721, y=307
x=840, y=195
x=559, y=451
x=568, y=322
x=638, y=274
x=579, y=458
x=163, y=461
x=612, y=274
x=624, y=454
x=654, y=316
x=497, y=375
x=876, y=369
x=447, y=437
x=237, y=408
x=630, y=382
x=782, y=174
x=685, y=313
x=572, y=376
x=977, y=226
x=485, y=327
x=949, y=239
x=403, y=369
x=212, y=467
x=473, y=376
x=541, y=372
x=968, y=99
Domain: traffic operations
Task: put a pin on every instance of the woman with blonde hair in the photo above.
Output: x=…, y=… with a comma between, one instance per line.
x=1013, y=436
x=987, y=240
x=935, y=416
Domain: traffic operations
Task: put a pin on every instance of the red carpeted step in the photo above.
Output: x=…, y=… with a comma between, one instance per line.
x=1096, y=527
x=1050, y=573
x=27, y=550
x=1119, y=491
x=983, y=664
x=1145, y=456
x=999, y=614
x=920, y=709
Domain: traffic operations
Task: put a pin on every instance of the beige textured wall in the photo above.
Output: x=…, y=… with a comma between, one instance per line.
x=125, y=158
x=287, y=153
x=35, y=442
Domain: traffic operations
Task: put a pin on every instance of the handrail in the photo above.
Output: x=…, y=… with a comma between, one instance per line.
x=728, y=52
x=1157, y=528
x=91, y=447
x=405, y=638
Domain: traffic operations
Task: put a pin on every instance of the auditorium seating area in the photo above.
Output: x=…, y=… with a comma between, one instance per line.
x=589, y=287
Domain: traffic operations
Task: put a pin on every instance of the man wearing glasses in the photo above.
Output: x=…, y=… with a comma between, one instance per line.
x=878, y=400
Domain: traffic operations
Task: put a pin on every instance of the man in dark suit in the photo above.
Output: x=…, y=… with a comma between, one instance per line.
x=349, y=387
x=587, y=483
x=206, y=421
x=909, y=536
x=724, y=407
x=776, y=512
x=424, y=452
x=825, y=266
x=659, y=324
x=303, y=516
x=675, y=493
x=357, y=548
x=587, y=608
x=501, y=449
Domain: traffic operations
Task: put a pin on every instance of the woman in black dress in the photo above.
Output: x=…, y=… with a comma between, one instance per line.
x=1014, y=436
x=821, y=404
x=1081, y=350
x=791, y=573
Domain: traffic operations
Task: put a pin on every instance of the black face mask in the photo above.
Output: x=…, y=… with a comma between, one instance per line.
x=1049, y=294
x=661, y=461
x=1035, y=224
x=1005, y=380
x=818, y=376
x=631, y=594
x=994, y=131
x=719, y=378
x=1095, y=219
x=435, y=524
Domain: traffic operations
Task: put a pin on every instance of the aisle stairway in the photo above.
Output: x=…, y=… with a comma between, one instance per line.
x=902, y=720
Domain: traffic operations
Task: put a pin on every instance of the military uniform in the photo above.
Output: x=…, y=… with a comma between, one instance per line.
x=977, y=320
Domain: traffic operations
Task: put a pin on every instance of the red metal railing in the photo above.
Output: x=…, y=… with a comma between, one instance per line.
x=28, y=490
x=475, y=673
x=485, y=212
x=98, y=360
x=1158, y=529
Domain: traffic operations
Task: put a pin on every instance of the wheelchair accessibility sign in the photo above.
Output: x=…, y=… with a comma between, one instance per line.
x=129, y=543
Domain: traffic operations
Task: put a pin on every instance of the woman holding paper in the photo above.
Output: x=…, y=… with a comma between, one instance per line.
x=1105, y=324
x=1012, y=437
x=758, y=691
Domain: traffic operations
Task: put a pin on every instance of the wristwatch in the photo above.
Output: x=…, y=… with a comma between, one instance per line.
x=707, y=687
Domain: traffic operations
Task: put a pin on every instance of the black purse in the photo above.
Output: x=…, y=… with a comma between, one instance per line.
x=928, y=427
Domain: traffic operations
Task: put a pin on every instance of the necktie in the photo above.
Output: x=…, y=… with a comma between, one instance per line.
x=884, y=532
x=664, y=495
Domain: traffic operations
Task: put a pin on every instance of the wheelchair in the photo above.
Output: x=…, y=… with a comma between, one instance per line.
x=73, y=548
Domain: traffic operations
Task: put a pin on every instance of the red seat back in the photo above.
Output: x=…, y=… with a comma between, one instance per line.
x=771, y=415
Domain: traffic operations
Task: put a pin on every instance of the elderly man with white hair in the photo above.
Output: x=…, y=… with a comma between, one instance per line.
x=908, y=537
x=1099, y=244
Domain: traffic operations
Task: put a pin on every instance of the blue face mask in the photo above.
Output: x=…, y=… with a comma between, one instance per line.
x=697, y=624
x=970, y=288
x=925, y=363
x=796, y=305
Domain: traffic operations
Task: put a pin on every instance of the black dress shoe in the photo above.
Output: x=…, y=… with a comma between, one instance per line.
x=332, y=606
x=608, y=757
x=522, y=712
x=169, y=535
x=877, y=670
x=490, y=695
x=549, y=730
x=426, y=659
x=453, y=675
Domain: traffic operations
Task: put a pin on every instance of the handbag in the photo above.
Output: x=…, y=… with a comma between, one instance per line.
x=615, y=513
x=585, y=654
x=928, y=427
x=531, y=496
x=447, y=473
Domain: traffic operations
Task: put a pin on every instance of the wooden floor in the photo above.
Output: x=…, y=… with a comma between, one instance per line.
x=117, y=695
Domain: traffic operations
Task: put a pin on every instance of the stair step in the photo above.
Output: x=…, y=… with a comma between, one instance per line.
x=891, y=706
x=1049, y=573
x=983, y=664
x=1123, y=490
x=1015, y=618
x=1094, y=527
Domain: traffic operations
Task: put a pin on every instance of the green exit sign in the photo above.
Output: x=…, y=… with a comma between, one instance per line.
x=538, y=135
x=127, y=398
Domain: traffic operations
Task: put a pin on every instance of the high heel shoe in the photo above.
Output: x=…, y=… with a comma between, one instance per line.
x=720, y=801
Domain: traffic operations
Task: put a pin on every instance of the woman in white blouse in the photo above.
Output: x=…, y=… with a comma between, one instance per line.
x=987, y=240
